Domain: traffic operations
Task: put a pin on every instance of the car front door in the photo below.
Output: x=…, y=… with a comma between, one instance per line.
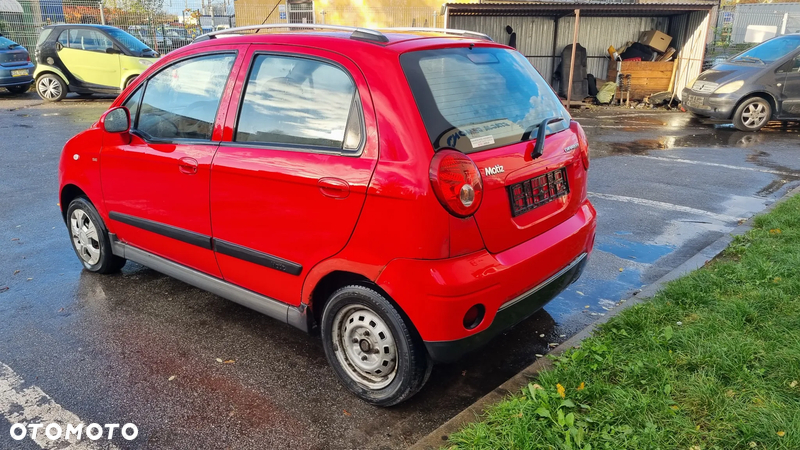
x=155, y=187
x=85, y=55
x=790, y=94
x=290, y=177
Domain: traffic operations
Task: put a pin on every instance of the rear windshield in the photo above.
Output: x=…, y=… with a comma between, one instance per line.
x=475, y=99
x=770, y=51
x=43, y=36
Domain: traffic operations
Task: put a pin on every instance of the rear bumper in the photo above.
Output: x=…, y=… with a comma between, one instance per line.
x=716, y=106
x=524, y=307
x=6, y=79
x=511, y=285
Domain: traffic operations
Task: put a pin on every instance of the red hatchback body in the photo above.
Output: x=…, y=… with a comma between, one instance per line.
x=408, y=194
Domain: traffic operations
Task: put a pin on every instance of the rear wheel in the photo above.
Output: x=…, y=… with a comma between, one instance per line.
x=19, y=89
x=371, y=349
x=51, y=87
x=752, y=114
x=90, y=238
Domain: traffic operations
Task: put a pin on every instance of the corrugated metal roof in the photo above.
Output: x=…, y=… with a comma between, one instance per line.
x=528, y=8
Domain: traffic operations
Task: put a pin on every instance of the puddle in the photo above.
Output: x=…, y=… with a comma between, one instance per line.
x=635, y=251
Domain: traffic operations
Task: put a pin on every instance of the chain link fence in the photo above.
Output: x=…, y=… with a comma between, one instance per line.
x=738, y=30
x=165, y=25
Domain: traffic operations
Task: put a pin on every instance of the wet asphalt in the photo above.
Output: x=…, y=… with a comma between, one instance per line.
x=105, y=347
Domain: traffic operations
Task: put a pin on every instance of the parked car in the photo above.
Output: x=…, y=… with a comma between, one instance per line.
x=249, y=166
x=751, y=88
x=16, y=68
x=88, y=59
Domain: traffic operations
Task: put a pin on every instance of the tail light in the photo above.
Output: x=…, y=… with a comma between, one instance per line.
x=456, y=182
x=29, y=57
x=583, y=143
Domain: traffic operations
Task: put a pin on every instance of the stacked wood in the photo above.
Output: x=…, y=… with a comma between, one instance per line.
x=647, y=77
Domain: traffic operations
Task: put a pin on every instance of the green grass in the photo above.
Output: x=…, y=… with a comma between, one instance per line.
x=712, y=362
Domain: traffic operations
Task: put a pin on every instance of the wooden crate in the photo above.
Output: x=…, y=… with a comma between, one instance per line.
x=647, y=77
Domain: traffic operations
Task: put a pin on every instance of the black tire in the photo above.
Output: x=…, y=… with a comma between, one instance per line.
x=411, y=366
x=19, y=89
x=51, y=88
x=82, y=217
x=752, y=114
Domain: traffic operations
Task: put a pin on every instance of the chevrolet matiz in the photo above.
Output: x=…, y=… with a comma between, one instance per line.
x=406, y=194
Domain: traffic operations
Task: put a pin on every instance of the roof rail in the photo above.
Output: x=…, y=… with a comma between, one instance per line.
x=442, y=30
x=357, y=33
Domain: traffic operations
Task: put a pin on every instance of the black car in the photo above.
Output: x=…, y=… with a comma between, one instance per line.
x=16, y=68
x=751, y=88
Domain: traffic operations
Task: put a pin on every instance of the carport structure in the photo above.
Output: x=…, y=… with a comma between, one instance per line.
x=544, y=28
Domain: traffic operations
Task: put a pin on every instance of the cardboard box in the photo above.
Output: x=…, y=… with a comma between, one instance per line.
x=656, y=40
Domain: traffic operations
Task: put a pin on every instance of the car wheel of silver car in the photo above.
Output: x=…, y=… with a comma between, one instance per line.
x=752, y=114
x=374, y=353
x=89, y=238
x=51, y=87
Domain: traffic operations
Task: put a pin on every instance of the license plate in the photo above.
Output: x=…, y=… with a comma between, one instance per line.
x=693, y=100
x=19, y=73
x=533, y=193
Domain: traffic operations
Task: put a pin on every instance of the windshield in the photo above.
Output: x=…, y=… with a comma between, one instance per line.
x=475, y=99
x=7, y=43
x=130, y=42
x=770, y=51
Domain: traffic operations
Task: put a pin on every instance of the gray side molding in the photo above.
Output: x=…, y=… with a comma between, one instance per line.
x=295, y=316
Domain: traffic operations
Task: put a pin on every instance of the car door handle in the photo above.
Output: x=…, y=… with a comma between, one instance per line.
x=188, y=165
x=334, y=187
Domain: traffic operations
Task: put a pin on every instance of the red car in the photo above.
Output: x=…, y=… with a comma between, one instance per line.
x=407, y=194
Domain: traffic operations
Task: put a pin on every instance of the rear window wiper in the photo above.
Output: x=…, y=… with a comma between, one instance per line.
x=750, y=58
x=538, y=150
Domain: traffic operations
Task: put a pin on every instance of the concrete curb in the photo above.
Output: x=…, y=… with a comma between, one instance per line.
x=438, y=437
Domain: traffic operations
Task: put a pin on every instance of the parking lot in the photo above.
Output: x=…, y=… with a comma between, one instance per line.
x=193, y=370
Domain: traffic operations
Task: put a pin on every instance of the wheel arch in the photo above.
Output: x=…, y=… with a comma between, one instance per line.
x=773, y=103
x=52, y=71
x=338, y=279
x=69, y=193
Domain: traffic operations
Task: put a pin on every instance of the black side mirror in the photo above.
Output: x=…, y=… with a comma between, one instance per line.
x=117, y=120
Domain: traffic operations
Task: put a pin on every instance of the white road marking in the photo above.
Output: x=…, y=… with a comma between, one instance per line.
x=726, y=166
x=666, y=206
x=31, y=405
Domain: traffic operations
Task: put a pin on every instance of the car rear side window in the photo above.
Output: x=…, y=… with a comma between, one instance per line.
x=91, y=40
x=63, y=38
x=474, y=99
x=181, y=101
x=299, y=102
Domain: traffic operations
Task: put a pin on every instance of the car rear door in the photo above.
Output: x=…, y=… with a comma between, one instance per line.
x=156, y=184
x=290, y=177
x=86, y=59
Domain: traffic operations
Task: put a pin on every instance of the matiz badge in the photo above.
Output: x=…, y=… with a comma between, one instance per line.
x=494, y=170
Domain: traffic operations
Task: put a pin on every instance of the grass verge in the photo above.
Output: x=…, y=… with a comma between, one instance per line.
x=711, y=362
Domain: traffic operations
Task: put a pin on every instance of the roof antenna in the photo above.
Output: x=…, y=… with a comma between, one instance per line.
x=270, y=14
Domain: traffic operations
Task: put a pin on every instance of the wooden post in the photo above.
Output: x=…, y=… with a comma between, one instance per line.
x=572, y=59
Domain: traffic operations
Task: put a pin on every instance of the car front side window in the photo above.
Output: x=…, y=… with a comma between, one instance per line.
x=299, y=102
x=181, y=100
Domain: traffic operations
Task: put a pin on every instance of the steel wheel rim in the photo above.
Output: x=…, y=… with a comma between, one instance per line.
x=364, y=346
x=754, y=115
x=49, y=88
x=85, y=238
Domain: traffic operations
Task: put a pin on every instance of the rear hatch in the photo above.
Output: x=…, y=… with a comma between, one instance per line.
x=489, y=103
x=12, y=54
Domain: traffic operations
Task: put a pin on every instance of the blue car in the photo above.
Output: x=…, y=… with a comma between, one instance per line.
x=16, y=68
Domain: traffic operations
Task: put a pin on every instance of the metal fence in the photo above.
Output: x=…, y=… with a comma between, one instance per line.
x=748, y=25
x=165, y=25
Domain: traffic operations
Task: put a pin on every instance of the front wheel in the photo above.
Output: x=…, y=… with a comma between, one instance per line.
x=752, y=114
x=19, y=89
x=89, y=238
x=51, y=87
x=372, y=350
